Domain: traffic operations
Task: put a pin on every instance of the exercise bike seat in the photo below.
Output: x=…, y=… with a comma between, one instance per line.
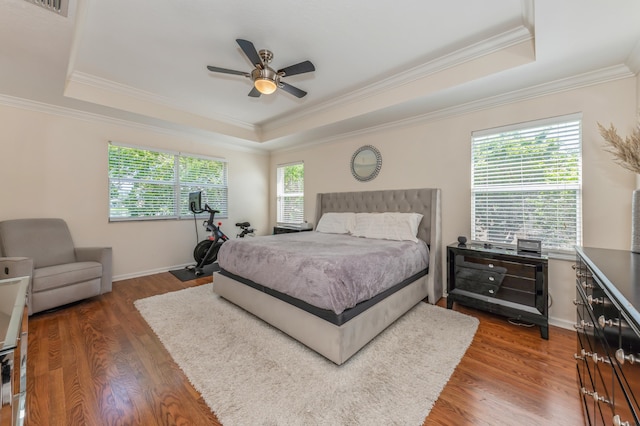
x=243, y=224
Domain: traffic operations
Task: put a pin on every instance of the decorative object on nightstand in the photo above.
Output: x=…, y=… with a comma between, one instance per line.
x=627, y=154
x=462, y=240
x=499, y=280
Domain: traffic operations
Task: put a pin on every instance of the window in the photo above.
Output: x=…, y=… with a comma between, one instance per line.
x=145, y=184
x=290, y=193
x=526, y=182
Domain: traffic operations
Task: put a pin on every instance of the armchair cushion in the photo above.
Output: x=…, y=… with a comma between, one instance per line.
x=51, y=277
x=35, y=238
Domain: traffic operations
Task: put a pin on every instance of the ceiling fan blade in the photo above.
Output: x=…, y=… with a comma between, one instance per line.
x=293, y=90
x=254, y=93
x=227, y=71
x=249, y=49
x=300, y=68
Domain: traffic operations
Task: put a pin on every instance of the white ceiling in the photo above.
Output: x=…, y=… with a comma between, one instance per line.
x=376, y=61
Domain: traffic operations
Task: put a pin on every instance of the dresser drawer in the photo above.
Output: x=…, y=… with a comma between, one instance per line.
x=594, y=366
x=593, y=390
x=627, y=359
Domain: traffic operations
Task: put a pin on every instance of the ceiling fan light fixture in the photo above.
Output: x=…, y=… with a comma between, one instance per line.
x=265, y=86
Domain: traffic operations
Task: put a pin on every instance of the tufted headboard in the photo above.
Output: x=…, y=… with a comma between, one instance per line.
x=422, y=200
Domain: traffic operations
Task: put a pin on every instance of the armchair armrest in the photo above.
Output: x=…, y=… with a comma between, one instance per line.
x=12, y=267
x=102, y=255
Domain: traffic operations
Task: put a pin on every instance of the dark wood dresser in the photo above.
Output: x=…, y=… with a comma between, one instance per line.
x=608, y=329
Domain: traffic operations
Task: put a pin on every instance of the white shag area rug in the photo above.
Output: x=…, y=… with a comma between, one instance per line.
x=250, y=373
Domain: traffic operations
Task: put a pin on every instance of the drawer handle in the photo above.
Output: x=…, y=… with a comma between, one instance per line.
x=490, y=265
x=491, y=279
x=595, y=300
x=618, y=422
x=594, y=356
x=622, y=357
x=587, y=286
x=605, y=322
x=595, y=396
x=578, y=357
x=582, y=324
x=583, y=274
x=578, y=302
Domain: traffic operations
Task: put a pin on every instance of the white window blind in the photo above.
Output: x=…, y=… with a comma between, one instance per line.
x=146, y=184
x=526, y=183
x=290, y=193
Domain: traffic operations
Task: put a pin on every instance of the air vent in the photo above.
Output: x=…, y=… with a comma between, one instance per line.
x=60, y=7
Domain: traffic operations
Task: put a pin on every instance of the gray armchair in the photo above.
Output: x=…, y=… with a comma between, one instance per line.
x=60, y=272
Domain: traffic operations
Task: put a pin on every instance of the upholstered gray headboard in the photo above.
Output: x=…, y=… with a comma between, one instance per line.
x=423, y=200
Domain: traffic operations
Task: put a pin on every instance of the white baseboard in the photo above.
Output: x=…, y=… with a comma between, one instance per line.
x=122, y=277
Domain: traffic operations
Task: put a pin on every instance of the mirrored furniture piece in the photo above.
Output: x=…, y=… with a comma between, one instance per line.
x=608, y=335
x=13, y=350
x=499, y=280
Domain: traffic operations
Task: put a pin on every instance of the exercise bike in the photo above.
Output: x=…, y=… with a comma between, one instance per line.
x=206, y=251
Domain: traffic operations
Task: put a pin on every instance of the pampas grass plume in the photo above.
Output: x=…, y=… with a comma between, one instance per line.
x=626, y=151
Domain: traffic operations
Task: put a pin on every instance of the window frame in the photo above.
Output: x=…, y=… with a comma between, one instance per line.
x=280, y=193
x=567, y=186
x=177, y=187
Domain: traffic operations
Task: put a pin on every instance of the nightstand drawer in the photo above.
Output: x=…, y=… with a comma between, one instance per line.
x=512, y=268
x=477, y=277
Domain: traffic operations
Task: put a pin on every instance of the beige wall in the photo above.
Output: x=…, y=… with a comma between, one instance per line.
x=56, y=166
x=437, y=154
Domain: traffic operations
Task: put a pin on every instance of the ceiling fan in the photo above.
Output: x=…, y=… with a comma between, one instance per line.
x=265, y=79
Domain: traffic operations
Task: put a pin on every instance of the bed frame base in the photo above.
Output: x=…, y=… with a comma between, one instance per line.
x=337, y=343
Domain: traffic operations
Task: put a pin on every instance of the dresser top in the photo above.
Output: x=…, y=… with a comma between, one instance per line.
x=620, y=271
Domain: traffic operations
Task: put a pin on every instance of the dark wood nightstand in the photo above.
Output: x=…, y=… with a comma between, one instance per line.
x=499, y=280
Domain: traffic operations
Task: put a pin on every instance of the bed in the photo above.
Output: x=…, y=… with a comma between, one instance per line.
x=339, y=333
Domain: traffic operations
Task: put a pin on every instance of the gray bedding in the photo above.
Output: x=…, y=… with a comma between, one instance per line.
x=328, y=271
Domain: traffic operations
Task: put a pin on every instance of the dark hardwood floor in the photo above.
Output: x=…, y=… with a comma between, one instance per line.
x=98, y=363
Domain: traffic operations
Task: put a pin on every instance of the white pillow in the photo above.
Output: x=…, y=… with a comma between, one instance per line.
x=388, y=226
x=337, y=223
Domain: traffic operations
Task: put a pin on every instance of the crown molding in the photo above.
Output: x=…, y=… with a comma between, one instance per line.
x=144, y=96
x=200, y=136
x=558, y=86
x=477, y=50
x=604, y=75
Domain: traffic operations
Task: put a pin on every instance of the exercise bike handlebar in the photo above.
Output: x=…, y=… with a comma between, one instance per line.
x=205, y=209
